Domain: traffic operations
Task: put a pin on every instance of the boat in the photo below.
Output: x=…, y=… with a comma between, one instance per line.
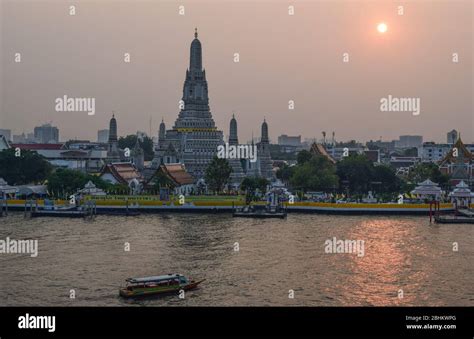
x=256, y=212
x=161, y=284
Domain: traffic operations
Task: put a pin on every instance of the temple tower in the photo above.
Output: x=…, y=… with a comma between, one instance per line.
x=113, y=152
x=263, y=154
x=194, y=136
x=237, y=174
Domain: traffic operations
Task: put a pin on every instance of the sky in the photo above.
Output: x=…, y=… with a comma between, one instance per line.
x=282, y=57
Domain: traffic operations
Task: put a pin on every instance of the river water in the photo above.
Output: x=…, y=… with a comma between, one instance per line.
x=406, y=260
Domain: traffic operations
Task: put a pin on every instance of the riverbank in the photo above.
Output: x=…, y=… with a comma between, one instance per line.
x=108, y=206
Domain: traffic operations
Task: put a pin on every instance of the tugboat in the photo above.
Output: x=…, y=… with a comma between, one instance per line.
x=161, y=284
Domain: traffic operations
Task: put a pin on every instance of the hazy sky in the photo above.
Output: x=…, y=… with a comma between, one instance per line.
x=282, y=58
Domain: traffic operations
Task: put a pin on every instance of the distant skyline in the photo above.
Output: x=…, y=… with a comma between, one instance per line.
x=282, y=58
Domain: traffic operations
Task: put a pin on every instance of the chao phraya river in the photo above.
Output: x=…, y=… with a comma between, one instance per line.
x=401, y=254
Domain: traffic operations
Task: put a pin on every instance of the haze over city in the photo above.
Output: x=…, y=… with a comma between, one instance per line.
x=282, y=57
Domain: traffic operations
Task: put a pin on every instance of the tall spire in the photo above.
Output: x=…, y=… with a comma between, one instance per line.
x=196, y=54
x=264, y=137
x=113, y=129
x=233, y=137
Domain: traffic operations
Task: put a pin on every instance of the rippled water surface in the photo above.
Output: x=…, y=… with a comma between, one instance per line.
x=401, y=253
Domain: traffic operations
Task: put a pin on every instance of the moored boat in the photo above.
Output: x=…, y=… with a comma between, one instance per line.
x=161, y=284
x=256, y=212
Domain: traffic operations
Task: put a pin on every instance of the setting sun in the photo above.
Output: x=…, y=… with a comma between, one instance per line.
x=382, y=27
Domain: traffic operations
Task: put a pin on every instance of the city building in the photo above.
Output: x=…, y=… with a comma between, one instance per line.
x=409, y=141
x=286, y=140
x=24, y=139
x=4, y=144
x=432, y=152
x=103, y=136
x=85, y=160
x=46, y=134
x=7, y=134
x=452, y=136
x=194, y=138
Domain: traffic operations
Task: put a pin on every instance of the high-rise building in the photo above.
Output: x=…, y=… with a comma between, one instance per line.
x=409, y=141
x=286, y=140
x=194, y=138
x=103, y=136
x=46, y=134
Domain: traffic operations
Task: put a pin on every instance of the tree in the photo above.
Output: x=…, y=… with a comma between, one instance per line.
x=423, y=171
x=315, y=174
x=386, y=179
x=217, y=174
x=163, y=181
x=284, y=173
x=28, y=167
x=356, y=171
x=250, y=186
x=303, y=157
x=68, y=181
x=146, y=144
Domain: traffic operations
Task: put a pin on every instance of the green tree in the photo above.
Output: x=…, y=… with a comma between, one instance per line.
x=28, y=167
x=68, y=181
x=384, y=180
x=217, y=174
x=356, y=172
x=251, y=184
x=423, y=171
x=146, y=144
x=315, y=174
x=163, y=181
x=284, y=173
x=303, y=156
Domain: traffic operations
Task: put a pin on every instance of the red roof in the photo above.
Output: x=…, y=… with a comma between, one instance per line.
x=38, y=146
x=123, y=172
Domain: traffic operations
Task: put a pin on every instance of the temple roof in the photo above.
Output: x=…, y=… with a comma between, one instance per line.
x=427, y=187
x=319, y=149
x=123, y=172
x=462, y=151
x=175, y=172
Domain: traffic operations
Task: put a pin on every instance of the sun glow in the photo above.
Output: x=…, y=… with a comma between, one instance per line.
x=382, y=27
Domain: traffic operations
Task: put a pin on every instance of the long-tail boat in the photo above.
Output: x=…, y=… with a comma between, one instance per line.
x=161, y=284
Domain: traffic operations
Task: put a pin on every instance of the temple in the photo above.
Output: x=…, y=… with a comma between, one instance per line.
x=458, y=164
x=194, y=138
x=242, y=168
x=113, y=151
